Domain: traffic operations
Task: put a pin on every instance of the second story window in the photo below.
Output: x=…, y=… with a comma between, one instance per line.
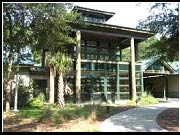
x=94, y=19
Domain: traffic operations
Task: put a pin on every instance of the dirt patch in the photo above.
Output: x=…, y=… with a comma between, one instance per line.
x=169, y=119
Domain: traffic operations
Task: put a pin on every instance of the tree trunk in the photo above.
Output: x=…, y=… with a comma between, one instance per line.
x=8, y=83
x=61, y=101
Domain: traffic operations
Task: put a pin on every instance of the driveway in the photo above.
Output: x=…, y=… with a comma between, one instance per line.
x=140, y=119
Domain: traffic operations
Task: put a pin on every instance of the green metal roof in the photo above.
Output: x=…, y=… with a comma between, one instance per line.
x=149, y=62
x=174, y=65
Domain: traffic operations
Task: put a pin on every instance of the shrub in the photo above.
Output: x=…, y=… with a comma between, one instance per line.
x=38, y=101
x=147, y=98
x=46, y=115
x=131, y=103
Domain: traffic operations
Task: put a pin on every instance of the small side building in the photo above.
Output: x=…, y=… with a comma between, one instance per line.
x=160, y=78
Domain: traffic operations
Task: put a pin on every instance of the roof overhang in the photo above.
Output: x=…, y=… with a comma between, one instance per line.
x=89, y=11
x=114, y=33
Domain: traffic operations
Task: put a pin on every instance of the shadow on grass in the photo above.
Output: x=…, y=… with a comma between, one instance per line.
x=16, y=125
x=53, y=116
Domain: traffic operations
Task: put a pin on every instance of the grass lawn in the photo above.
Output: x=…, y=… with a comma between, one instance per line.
x=80, y=118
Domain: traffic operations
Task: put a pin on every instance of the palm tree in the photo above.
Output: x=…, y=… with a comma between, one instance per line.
x=61, y=65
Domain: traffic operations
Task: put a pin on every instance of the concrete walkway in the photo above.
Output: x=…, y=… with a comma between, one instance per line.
x=141, y=119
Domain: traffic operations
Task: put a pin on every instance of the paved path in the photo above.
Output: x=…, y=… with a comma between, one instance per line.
x=141, y=119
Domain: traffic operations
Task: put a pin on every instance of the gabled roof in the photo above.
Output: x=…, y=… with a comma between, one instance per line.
x=174, y=65
x=149, y=62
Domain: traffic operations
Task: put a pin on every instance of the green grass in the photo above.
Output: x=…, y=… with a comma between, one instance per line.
x=29, y=112
x=53, y=114
x=69, y=112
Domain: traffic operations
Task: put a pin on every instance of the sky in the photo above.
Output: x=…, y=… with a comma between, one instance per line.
x=127, y=14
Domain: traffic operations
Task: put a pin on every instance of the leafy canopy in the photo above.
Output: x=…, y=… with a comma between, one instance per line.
x=164, y=19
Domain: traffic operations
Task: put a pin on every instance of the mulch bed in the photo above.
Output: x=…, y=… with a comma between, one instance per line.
x=169, y=119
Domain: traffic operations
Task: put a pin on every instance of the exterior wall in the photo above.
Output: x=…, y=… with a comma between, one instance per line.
x=25, y=76
x=156, y=86
x=173, y=86
x=103, y=75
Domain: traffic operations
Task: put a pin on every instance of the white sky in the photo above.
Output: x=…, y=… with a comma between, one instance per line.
x=127, y=14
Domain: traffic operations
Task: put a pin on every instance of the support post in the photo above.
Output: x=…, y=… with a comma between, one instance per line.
x=142, y=80
x=105, y=83
x=51, y=86
x=78, y=66
x=92, y=84
x=117, y=83
x=133, y=74
x=167, y=89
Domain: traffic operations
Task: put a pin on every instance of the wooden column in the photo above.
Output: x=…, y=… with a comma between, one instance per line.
x=51, y=86
x=167, y=88
x=133, y=73
x=105, y=82
x=117, y=82
x=92, y=84
x=78, y=66
x=142, y=80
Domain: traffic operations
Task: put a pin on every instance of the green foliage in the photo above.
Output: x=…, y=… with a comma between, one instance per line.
x=23, y=94
x=30, y=112
x=51, y=26
x=147, y=98
x=73, y=111
x=131, y=103
x=60, y=62
x=164, y=19
x=37, y=102
x=148, y=49
x=126, y=55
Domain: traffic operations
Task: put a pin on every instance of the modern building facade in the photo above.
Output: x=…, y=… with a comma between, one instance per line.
x=98, y=72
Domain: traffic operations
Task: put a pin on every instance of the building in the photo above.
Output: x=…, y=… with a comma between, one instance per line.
x=98, y=71
x=161, y=78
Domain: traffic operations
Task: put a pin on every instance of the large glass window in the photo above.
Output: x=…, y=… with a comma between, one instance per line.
x=94, y=19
